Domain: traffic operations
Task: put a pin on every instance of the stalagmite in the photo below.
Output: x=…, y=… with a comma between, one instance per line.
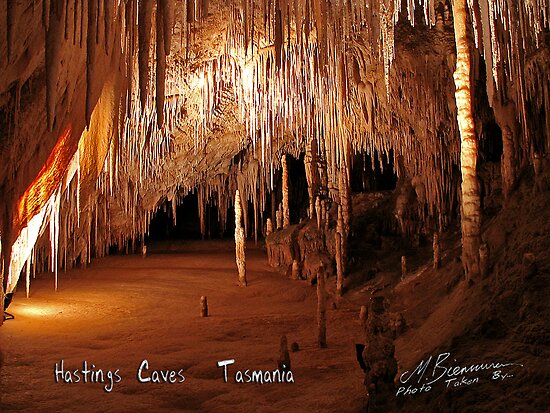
x=240, y=241
x=345, y=199
x=269, y=228
x=286, y=211
x=296, y=275
x=321, y=309
x=318, y=212
x=484, y=259
x=339, y=264
x=470, y=208
x=505, y=115
x=284, y=355
x=279, y=218
x=204, y=306
x=311, y=175
x=437, y=258
x=403, y=267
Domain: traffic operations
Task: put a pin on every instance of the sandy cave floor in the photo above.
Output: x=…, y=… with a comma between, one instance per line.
x=124, y=309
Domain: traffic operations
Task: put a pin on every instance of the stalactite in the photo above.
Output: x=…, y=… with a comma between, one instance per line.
x=240, y=241
x=90, y=58
x=54, y=41
x=470, y=210
x=167, y=8
x=144, y=34
x=160, y=64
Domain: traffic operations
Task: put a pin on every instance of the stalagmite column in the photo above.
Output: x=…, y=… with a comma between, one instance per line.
x=311, y=175
x=437, y=258
x=403, y=267
x=239, y=241
x=318, y=212
x=286, y=211
x=505, y=114
x=269, y=228
x=279, y=218
x=339, y=266
x=345, y=198
x=470, y=211
x=321, y=308
x=204, y=306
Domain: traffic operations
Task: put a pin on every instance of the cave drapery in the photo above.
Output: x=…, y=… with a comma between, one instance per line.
x=110, y=107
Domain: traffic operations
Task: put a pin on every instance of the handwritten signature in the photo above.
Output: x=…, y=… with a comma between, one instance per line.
x=440, y=369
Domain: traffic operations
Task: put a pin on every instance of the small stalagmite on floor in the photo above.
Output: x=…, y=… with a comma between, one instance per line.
x=204, y=306
x=403, y=267
x=321, y=308
x=284, y=357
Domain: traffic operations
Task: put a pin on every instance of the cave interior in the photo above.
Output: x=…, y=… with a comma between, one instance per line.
x=327, y=191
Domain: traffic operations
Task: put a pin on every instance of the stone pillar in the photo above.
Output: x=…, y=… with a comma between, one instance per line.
x=240, y=241
x=286, y=211
x=505, y=115
x=471, y=207
x=403, y=267
x=279, y=218
x=312, y=175
x=269, y=227
x=318, y=212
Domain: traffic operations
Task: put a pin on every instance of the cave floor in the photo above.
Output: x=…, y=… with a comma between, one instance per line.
x=122, y=310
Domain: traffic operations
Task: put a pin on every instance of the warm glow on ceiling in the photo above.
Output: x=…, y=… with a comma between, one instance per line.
x=47, y=180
